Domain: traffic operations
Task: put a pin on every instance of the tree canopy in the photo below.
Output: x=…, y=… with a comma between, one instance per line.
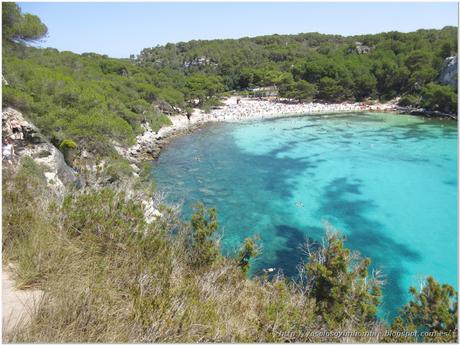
x=20, y=27
x=352, y=68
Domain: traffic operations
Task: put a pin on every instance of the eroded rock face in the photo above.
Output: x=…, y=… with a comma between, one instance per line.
x=449, y=71
x=145, y=149
x=27, y=141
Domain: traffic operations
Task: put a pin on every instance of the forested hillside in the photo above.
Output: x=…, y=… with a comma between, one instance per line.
x=324, y=67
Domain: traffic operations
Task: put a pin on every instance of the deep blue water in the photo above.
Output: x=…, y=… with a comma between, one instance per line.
x=388, y=182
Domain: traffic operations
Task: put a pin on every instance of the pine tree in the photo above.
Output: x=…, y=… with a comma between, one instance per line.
x=338, y=280
x=432, y=312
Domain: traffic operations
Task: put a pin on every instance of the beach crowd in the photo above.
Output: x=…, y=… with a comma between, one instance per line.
x=247, y=108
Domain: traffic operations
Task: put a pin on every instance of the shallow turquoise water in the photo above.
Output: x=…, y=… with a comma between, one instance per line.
x=389, y=182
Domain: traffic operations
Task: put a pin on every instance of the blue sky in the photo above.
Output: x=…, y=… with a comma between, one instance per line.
x=121, y=29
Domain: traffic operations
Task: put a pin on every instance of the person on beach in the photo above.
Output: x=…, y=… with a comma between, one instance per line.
x=7, y=151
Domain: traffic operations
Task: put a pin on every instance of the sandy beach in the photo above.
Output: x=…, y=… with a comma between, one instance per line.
x=251, y=109
x=235, y=109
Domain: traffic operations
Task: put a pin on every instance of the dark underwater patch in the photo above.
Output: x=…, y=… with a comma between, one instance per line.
x=368, y=236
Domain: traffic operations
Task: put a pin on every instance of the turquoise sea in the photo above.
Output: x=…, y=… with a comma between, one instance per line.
x=388, y=182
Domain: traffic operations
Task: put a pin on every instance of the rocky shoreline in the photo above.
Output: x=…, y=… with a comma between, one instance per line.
x=425, y=113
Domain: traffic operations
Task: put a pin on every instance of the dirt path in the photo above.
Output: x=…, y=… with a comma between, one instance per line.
x=17, y=305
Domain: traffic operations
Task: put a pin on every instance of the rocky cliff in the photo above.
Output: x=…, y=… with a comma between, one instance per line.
x=27, y=141
x=449, y=71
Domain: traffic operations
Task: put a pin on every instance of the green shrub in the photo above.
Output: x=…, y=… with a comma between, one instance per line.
x=16, y=98
x=145, y=182
x=204, y=226
x=339, y=283
x=157, y=120
x=28, y=168
x=118, y=169
x=172, y=96
x=83, y=97
x=433, y=311
x=139, y=106
x=248, y=251
x=67, y=145
x=439, y=97
x=91, y=214
x=409, y=100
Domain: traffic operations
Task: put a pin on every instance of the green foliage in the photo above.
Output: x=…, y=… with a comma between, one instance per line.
x=28, y=167
x=96, y=100
x=439, y=97
x=330, y=90
x=300, y=90
x=64, y=105
x=145, y=182
x=396, y=63
x=172, y=96
x=66, y=146
x=20, y=27
x=139, y=106
x=22, y=210
x=390, y=77
x=248, y=251
x=446, y=49
x=118, y=169
x=204, y=225
x=91, y=214
x=202, y=87
x=432, y=312
x=338, y=281
x=111, y=277
x=409, y=100
x=93, y=99
x=156, y=120
x=364, y=84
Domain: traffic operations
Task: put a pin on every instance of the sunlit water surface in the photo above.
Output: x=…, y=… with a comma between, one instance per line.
x=388, y=182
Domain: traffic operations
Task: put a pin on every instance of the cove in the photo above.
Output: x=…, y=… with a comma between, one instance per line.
x=388, y=182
